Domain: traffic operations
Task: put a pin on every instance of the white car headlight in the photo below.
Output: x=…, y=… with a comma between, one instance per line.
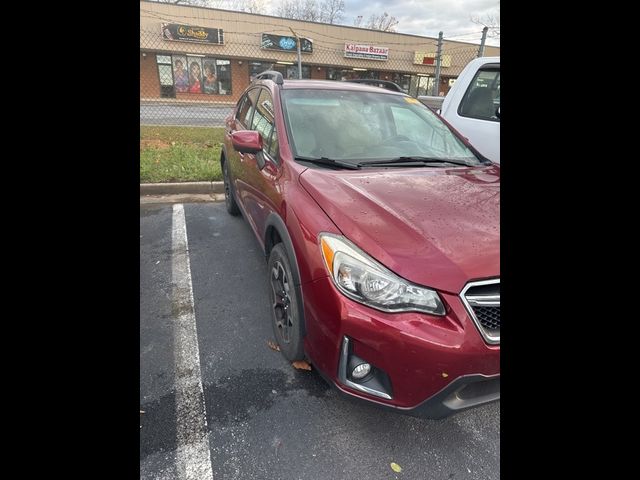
x=364, y=280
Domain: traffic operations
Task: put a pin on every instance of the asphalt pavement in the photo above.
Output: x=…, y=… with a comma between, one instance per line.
x=183, y=115
x=262, y=418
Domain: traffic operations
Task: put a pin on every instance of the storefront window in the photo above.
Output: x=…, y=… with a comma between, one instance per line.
x=421, y=85
x=401, y=79
x=191, y=74
x=180, y=73
x=258, y=67
x=349, y=74
x=195, y=74
x=292, y=71
x=210, y=82
x=165, y=72
x=224, y=76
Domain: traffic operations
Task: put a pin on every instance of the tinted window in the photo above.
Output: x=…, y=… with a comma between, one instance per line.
x=482, y=98
x=263, y=121
x=241, y=112
x=245, y=112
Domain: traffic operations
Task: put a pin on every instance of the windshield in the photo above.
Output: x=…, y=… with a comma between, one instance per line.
x=353, y=126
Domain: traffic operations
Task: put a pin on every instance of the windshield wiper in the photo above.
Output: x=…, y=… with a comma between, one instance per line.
x=329, y=162
x=415, y=160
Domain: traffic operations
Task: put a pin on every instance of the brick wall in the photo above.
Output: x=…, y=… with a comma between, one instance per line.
x=318, y=75
x=149, y=79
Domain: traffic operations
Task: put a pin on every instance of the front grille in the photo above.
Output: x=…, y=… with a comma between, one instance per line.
x=489, y=317
x=482, y=300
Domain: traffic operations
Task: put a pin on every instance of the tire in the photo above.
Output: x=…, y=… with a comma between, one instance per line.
x=287, y=316
x=229, y=198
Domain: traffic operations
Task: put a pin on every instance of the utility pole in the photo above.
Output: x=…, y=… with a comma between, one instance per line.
x=436, y=86
x=484, y=38
x=299, y=53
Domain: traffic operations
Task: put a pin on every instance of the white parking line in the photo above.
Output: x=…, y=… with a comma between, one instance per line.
x=193, y=452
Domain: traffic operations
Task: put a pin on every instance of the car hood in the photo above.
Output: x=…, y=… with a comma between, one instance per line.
x=438, y=227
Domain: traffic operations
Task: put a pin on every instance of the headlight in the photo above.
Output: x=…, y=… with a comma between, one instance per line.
x=364, y=280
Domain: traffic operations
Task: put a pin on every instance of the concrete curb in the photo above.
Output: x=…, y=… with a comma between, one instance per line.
x=181, y=188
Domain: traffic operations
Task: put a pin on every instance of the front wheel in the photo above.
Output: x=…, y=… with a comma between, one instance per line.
x=229, y=200
x=286, y=308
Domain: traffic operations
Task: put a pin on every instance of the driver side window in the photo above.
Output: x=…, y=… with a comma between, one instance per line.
x=247, y=106
x=482, y=99
x=263, y=122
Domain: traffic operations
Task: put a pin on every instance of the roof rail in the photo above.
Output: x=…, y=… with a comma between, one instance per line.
x=271, y=75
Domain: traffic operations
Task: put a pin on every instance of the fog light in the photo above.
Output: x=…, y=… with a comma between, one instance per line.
x=361, y=371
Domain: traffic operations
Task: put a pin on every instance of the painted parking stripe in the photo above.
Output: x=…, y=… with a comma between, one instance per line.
x=193, y=452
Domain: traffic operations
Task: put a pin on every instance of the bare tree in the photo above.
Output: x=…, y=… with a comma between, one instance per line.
x=491, y=21
x=384, y=22
x=196, y=3
x=332, y=11
x=249, y=6
x=298, y=10
x=329, y=11
x=310, y=10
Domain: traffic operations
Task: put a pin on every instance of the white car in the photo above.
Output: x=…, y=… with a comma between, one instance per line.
x=472, y=105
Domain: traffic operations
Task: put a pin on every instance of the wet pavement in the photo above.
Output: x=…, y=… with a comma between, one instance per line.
x=265, y=419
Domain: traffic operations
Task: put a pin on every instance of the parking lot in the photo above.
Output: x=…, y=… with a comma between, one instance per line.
x=219, y=403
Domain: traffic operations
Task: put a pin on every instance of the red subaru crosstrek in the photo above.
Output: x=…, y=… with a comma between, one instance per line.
x=380, y=224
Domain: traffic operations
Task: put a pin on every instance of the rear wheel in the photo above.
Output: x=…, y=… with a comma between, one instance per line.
x=229, y=200
x=286, y=307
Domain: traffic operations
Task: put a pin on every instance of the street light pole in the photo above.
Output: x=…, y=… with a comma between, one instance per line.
x=299, y=53
x=436, y=86
x=482, y=42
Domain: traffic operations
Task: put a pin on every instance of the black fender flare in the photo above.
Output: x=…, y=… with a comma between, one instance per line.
x=223, y=153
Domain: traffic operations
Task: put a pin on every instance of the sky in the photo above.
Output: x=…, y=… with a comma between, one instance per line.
x=428, y=17
x=418, y=17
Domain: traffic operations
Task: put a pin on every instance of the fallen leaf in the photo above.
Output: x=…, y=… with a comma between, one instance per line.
x=444, y=375
x=301, y=365
x=395, y=467
x=273, y=345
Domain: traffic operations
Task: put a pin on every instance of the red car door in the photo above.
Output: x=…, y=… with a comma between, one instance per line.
x=260, y=195
x=241, y=121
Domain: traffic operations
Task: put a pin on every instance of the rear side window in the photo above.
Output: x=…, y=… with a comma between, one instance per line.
x=263, y=122
x=247, y=106
x=482, y=98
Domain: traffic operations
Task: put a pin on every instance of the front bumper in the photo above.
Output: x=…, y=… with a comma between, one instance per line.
x=462, y=393
x=433, y=366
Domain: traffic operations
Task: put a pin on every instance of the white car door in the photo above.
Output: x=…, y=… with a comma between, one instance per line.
x=474, y=110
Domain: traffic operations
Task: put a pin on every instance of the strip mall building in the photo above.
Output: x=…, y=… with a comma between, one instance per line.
x=211, y=55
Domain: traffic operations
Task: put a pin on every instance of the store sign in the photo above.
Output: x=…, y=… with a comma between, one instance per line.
x=286, y=44
x=189, y=33
x=429, y=58
x=370, y=52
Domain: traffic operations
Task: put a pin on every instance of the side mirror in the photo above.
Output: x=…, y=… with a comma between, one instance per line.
x=498, y=113
x=247, y=141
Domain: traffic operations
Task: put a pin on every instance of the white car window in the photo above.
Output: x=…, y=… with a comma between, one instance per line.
x=482, y=98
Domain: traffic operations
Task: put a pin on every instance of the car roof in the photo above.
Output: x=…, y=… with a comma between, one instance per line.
x=388, y=84
x=334, y=85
